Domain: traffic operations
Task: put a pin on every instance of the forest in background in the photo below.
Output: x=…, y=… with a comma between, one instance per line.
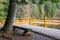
x=37, y=10
x=33, y=8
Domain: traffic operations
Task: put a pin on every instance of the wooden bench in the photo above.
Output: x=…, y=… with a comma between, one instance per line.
x=25, y=29
x=19, y=27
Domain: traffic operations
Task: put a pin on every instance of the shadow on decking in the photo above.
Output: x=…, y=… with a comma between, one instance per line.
x=34, y=36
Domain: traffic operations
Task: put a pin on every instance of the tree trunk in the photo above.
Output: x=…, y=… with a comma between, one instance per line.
x=10, y=17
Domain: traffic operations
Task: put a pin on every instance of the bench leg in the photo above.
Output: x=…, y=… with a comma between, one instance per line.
x=27, y=32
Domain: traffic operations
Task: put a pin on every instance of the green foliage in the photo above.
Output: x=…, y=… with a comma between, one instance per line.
x=54, y=10
x=34, y=11
x=55, y=0
x=42, y=1
x=2, y=15
x=47, y=10
x=51, y=9
x=35, y=1
x=3, y=9
x=58, y=5
x=22, y=2
x=3, y=0
x=18, y=2
x=48, y=7
x=2, y=6
x=42, y=11
x=38, y=10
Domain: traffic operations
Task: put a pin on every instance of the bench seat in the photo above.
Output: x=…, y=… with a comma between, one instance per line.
x=25, y=29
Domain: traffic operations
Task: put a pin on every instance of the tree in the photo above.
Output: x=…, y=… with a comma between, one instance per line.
x=41, y=8
x=48, y=7
x=40, y=4
x=54, y=10
x=54, y=7
x=10, y=17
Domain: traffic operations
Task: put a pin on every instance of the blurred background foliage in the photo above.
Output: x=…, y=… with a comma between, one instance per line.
x=33, y=8
x=3, y=9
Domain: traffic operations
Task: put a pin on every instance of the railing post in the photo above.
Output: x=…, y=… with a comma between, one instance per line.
x=45, y=23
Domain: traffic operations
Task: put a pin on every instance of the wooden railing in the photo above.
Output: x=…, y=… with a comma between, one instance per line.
x=55, y=21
